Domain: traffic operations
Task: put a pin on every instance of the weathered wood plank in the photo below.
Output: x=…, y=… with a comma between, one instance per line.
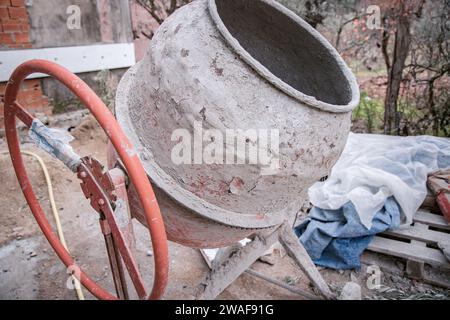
x=395, y=248
x=433, y=220
x=424, y=235
x=415, y=268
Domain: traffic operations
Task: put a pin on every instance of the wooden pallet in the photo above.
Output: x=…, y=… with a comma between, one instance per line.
x=418, y=244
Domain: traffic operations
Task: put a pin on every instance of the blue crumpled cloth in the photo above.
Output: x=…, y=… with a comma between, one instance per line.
x=337, y=238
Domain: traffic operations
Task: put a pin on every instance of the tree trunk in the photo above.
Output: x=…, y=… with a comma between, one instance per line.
x=401, y=49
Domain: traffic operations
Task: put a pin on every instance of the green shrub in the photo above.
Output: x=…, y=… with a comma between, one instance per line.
x=371, y=111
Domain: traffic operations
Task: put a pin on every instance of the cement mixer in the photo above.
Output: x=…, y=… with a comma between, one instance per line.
x=225, y=84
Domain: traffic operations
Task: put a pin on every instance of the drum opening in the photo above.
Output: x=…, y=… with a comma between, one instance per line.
x=288, y=52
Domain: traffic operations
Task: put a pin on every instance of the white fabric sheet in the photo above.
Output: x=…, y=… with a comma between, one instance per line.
x=375, y=167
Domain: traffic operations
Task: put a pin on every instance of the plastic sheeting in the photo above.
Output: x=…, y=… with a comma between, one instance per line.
x=373, y=168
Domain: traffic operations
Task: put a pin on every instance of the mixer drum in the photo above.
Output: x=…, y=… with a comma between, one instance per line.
x=222, y=66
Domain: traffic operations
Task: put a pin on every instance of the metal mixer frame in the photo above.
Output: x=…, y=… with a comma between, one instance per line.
x=108, y=195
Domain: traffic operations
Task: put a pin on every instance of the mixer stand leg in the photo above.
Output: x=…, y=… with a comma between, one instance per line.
x=121, y=213
x=230, y=269
x=227, y=271
x=298, y=253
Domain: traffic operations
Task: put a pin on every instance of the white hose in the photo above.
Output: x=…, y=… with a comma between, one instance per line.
x=59, y=228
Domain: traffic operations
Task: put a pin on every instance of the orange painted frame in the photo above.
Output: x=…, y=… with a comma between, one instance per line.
x=125, y=150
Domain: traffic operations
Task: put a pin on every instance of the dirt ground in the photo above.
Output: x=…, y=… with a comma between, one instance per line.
x=29, y=269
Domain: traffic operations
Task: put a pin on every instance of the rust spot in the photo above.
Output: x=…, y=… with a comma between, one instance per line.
x=178, y=28
x=236, y=185
x=184, y=53
x=203, y=113
x=299, y=154
x=260, y=216
x=202, y=186
x=217, y=70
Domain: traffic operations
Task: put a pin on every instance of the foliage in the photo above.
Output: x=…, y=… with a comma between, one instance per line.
x=370, y=111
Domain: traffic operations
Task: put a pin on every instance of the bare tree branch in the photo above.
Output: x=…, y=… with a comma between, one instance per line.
x=342, y=26
x=149, y=6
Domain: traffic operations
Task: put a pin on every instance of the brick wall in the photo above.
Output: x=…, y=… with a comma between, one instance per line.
x=14, y=34
x=30, y=96
x=14, y=25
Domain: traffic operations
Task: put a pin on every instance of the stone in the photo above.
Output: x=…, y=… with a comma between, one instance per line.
x=351, y=291
x=236, y=186
x=270, y=260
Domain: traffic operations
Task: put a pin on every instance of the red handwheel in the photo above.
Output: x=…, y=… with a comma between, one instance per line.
x=126, y=152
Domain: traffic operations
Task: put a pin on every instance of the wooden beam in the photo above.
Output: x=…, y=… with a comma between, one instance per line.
x=433, y=220
x=399, y=249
